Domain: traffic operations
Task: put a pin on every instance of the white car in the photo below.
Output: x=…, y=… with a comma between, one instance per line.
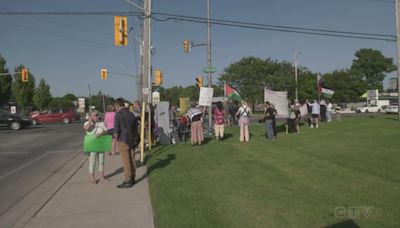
x=369, y=108
x=392, y=109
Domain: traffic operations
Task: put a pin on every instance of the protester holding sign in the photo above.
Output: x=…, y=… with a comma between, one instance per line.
x=95, y=127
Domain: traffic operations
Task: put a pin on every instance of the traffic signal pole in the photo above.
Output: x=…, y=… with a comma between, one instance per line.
x=146, y=74
x=397, y=10
x=209, y=61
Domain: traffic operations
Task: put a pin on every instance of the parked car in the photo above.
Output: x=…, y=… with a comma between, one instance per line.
x=392, y=109
x=369, y=108
x=13, y=121
x=55, y=115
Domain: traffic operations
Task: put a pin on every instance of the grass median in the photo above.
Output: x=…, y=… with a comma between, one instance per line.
x=341, y=172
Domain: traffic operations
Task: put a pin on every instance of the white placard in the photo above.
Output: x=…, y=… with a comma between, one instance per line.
x=13, y=109
x=156, y=97
x=145, y=91
x=206, y=95
x=279, y=100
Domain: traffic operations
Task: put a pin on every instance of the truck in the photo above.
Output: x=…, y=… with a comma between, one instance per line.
x=373, y=106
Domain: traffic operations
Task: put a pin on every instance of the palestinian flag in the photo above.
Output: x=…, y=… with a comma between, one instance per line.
x=231, y=93
x=327, y=92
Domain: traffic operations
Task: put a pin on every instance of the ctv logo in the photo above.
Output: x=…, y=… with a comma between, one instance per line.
x=354, y=212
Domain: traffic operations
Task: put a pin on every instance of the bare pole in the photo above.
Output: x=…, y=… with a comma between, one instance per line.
x=296, y=55
x=397, y=10
x=146, y=76
x=209, y=59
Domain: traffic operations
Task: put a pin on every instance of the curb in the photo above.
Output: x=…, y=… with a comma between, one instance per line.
x=67, y=171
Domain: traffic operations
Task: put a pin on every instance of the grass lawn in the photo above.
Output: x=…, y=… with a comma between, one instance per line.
x=312, y=179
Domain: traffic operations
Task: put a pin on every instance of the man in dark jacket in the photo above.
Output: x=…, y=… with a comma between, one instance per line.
x=125, y=131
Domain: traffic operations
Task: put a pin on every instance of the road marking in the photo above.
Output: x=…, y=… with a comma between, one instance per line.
x=13, y=152
x=23, y=166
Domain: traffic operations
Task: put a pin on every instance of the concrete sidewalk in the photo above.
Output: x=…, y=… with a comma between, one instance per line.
x=82, y=204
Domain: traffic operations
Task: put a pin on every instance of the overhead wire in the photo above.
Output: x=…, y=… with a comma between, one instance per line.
x=231, y=23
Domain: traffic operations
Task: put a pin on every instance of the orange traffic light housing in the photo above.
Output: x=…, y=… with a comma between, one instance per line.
x=24, y=75
x=120, y=30
x=158, y=78
x=186, y=46
x=199, y=81
x=103, y=74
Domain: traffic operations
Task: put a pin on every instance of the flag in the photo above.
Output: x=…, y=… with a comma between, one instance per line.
x=327, y=92
x=231, y=93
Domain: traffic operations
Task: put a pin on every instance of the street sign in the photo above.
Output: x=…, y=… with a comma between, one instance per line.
x=209, y=70
x=145, y=91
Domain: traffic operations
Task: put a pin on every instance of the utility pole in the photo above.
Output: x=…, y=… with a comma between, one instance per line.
x=146, y=74
x=296, y=55
x=397, y=10
x=90, y=97
x=209, y=60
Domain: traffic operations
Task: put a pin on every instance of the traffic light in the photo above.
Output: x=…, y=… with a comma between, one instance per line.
x=158, y=78
x=120, y=30
x=103, y=74
x=24, y=75
x=199, y=81
x=186, y=46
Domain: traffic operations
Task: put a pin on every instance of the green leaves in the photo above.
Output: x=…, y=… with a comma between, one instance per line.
x=371, y=66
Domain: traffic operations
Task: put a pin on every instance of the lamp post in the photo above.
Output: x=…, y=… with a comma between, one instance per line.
x=296, y=55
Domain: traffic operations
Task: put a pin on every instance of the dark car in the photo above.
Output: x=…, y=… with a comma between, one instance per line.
x=55, y=115
x=13, y=121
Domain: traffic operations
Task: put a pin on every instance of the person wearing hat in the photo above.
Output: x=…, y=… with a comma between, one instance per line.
x=94, y=126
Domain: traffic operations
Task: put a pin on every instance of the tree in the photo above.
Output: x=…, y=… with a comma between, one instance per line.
x=42, y=96
x=371, y=66
x=70, y=97
x=250, y=75
x=348, y=86
x=23, y=91
x=5, y=83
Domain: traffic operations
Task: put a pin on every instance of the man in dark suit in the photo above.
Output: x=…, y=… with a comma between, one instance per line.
x=125, y=131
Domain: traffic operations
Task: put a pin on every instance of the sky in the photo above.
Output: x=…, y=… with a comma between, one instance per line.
x=68, y=52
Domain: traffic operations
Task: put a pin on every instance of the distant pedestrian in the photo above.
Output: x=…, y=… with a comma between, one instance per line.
x=109, y=119
x=125, y=131
x=219, y=121
x=297, y=114
x=329, y=107
x=194, y=114
x=314, y=113
x=182, y=129
x=93, y=126
x=275, y=129
x=269, y=117
x=322, y=104
x=243, y=115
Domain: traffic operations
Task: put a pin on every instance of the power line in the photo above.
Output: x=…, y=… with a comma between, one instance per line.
x=267, y=26
x=231, y=23
x=62, y=24
x=55, y=34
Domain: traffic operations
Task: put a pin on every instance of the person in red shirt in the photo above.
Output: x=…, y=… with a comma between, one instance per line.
x=219, y=121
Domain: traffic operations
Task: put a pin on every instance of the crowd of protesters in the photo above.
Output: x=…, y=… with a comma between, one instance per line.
x=124, y=127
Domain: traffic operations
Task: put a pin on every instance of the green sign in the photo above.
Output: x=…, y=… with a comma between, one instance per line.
x=209, y=70
x=97, y=144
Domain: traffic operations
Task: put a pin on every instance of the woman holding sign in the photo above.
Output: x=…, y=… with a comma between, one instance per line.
x=94, y=127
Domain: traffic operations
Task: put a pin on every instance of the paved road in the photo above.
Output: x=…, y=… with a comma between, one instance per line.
x=31, y=160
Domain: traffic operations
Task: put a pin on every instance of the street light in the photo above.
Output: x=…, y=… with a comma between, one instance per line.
x=296, y=54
